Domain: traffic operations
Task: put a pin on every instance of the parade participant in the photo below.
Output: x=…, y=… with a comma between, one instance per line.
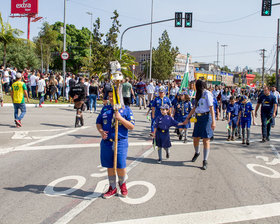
x=205, y=124
x=173, y=91
x=158, y=102
x=105, y=125
x=185, y=109
x=225, y=96
x=19, y=90
x=216, y=110
x=149, y=114
x=216, y=92
x=78, y=93
x=176, y=110
x=268, y=111
x=161, y=133
x=245, y=118
x=191, y=92
x=232, y=110
x=239, y=100
x=275, y=93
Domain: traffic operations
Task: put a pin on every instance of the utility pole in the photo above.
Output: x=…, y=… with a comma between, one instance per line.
x=277, y=57
x=224, y=59
x=42, y=61
x=263, y=56
x=218, y=44
x=64, y=49
x=151, y=41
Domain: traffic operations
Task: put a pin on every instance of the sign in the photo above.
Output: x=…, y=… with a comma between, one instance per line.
x=24, y=6
x=64, y=55
x=133, y=67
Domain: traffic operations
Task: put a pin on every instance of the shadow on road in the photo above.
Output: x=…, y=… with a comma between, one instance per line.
x=39, y=189
x=56, y=125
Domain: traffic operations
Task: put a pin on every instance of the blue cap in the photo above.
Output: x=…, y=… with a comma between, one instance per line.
x=156, y=94
x=244, y=98
x=164, y=106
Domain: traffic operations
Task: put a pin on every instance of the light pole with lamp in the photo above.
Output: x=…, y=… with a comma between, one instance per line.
x=90, y=13
x=64, y=49
x=151, y=41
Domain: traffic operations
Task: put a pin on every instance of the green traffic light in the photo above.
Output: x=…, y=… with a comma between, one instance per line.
x=188, y=24
x=266, y=12
x=178, y=23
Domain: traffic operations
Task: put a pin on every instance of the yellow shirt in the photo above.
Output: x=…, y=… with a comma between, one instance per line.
x=18, y=88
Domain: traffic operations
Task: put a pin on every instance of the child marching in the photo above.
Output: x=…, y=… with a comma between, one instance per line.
x=185, y=109
x=245, y=118
x=161, y=134
x=232, y=110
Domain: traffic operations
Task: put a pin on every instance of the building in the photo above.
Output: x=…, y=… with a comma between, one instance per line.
x=143, y=57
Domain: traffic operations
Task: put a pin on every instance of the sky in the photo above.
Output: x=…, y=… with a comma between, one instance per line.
x=237, y=24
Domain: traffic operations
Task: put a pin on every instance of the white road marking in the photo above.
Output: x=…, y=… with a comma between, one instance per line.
x=228, y=215
x=98, y=191
x=18, y=148
x=136, y=201
x=36, y=131
x=49, y=190
x=275, y=152
x=275, y=174
x=21, y=135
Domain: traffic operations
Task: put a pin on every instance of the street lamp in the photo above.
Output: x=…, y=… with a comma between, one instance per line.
x=64, y=49
x=90, y=13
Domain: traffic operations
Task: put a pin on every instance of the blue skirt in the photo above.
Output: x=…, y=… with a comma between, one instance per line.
x=107, y=153
x=163, y=139
x=202, y=128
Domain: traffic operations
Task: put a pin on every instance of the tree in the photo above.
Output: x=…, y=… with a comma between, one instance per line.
x=21, y=54
x=46, y=43
x=164, y=58
x=8, y=35
x=270, y=80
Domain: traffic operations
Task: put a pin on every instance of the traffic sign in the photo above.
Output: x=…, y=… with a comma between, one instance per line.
x=64, y=55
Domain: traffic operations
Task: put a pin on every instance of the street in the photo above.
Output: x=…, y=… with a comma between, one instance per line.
x=51, y=173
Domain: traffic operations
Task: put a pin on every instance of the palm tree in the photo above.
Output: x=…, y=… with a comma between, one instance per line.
x=7, y=35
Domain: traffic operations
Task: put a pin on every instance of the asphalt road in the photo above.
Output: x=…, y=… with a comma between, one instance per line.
x=50, y=173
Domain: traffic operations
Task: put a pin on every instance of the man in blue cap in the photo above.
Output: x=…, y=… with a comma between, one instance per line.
x=268, y=111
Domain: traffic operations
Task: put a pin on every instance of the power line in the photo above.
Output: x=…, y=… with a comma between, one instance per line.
x=236, y=53
x=232, y=20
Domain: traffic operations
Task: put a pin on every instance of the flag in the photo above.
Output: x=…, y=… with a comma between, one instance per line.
x=185, y=82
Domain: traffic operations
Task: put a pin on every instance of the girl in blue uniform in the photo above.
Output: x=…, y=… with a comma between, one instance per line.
x=232, y=110
x=162, y=137
x=150, y=113
x=186, y=108
x=105, y=124
x=205, y=124
x=176, y=110
x=225, y=96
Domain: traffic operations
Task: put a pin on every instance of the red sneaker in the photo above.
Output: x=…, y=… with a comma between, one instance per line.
x=56, y=101
x=43, y=102
x=40, y=106
x=110, y=193
x=18, y=123
x=123, y=189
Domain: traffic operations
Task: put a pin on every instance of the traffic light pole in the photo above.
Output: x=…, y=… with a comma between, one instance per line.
x=133, y=27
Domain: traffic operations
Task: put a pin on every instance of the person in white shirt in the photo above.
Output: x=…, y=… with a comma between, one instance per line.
x=41, y=90
x=67, y=87
x=33, y=84
x=87, y=92
x=150, y=91
x=173, y=91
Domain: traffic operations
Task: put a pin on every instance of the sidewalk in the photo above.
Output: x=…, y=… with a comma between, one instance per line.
x=46, y=105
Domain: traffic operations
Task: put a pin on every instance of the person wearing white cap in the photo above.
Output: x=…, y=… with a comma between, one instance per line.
x=19, y=89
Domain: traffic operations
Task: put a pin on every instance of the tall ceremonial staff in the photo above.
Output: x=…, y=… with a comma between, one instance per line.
x=116, y=78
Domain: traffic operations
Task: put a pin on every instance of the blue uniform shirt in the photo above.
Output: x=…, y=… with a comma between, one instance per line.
x=246, y=110
x=158, y=102
x=233, y=109
x=205, y=102
x=165, y=122
x=108, y=122
x=215, y=104
x=267, y=103
x=186, y=108
x=105, y=108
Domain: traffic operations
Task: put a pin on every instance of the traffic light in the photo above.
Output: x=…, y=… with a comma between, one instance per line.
x=188, y=19
x=266, y=7
x=178, y=19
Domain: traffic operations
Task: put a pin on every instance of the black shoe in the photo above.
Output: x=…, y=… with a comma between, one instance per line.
x=180, y=137
x=239, y=136
x=268, y=139
x=247, y=143
x=204, y=166
x=243, y=141
x=263, y=140
x=196, y=155
x=167, y=155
